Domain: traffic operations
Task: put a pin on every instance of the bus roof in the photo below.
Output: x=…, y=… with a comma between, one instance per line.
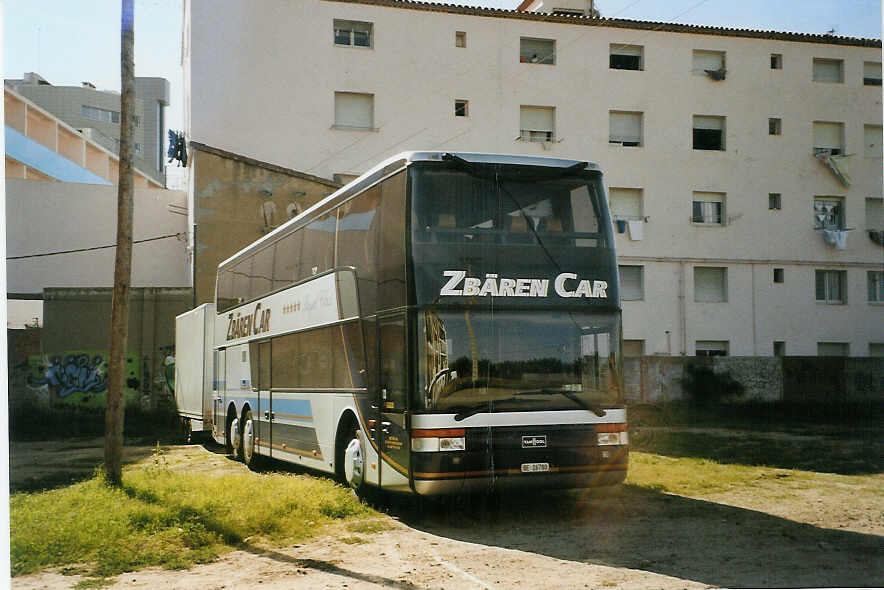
x=395, y=163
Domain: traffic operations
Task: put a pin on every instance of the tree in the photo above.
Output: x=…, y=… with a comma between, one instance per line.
x=116, y=402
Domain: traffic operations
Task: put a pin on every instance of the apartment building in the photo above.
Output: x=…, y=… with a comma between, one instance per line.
x=96, y=114
x=743, y=168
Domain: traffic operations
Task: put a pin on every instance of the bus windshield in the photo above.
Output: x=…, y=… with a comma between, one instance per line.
x=513, y=361
x=557, y=208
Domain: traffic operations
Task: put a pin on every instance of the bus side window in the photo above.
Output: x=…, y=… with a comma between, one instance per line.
x=358, y=223
x=318, y=249
x=393, y=370
x=286, y=261
x=391, y=250
x=262, y=273
x=242, y=274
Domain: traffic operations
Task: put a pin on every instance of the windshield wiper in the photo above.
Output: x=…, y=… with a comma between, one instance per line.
x=467, y=411
x=597, y=410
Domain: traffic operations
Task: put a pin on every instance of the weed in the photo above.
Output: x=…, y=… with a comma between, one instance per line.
x=169, y=518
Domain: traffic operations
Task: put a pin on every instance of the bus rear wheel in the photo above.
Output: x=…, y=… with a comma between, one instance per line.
x=249, y=456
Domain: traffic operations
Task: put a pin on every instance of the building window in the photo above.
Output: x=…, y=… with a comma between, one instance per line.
x=774, y=126
x=774, y=201
x=874, y=214
x=461, y=108
x=137, y=149
x=872, y=141
x=633, y=348
x=352, y=33
x=710, y=284
x=828, y=70
x=537, y=123
x=708, y=208
x=776, y=61
x=876, y=349
x=833, y=349
x=872, y=73
x=709, y=132
x=537, y=51
x=779, y=348
x=875, y=279
x=828, y=137
x=97, y=114
x=354, y=111
x=711, y=347
x=828, y=213
x=460, y=39
x=626, y=203
x=831, y=286
x=625, y=128
x=709, y=63
x=632, y=287
x=137, y=121
x=779, y=275
x=626, y=57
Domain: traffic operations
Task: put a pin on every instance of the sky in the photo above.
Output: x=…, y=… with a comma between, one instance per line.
x=71, y=41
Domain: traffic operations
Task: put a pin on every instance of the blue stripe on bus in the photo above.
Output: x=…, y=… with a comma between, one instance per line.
x=297, y=407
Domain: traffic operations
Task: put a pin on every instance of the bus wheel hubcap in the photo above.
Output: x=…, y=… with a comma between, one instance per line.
x=248, y=440
x=353, y=463
x=234, y=435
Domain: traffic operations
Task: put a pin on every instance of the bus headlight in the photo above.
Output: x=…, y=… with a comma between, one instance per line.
x=438, y=439
x=612, y=434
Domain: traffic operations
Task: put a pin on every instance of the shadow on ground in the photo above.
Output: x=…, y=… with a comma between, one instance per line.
x=859, y=454
x=636, y=528
x=44, y=465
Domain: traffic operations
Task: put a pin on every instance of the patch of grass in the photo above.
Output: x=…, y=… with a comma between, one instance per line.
x=352, y=540
x=829, y=453
x=171, y=519
x=369, y=526
x=94, y=583
x=687, y=476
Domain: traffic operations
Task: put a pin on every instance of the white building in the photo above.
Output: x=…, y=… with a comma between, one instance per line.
x=715, y=143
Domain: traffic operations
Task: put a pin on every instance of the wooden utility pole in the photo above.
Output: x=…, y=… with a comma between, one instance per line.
x=116, y=400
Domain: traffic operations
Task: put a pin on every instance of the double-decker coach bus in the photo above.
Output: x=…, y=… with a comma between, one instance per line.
x=446, y=322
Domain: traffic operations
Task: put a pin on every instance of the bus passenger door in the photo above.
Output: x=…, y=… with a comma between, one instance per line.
x=259, y=353
x=392, y=395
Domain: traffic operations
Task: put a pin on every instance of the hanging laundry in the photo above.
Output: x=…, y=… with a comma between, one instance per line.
x=636, y=229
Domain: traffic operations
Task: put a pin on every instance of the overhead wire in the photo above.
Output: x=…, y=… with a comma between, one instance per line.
x=179, y=235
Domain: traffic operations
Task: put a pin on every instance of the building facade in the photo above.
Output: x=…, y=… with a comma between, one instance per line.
x=743, y=168
x=96, y=114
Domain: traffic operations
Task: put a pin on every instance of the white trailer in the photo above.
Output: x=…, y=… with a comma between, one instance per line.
x=194, y=338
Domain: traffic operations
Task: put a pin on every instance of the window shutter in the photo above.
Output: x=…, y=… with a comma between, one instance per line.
x=537, y=118
x=875, y=214
x=709, y=284
x=872, y=69
x=701, y=122
x=827, y=135
x=708, y=60
x=632, y=50
x=626, y=203
x=872, y=141
x=354, y=110
x=827, y=70
x=625, y=127
x=631, y=283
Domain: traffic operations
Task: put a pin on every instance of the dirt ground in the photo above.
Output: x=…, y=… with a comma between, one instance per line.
x=778, y=533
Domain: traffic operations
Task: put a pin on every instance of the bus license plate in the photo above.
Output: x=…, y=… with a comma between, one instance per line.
x=534, y=467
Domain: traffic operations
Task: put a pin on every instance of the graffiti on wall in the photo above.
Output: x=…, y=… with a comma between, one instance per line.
x=80, y=377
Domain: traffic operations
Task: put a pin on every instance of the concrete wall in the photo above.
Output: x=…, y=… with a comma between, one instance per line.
x=71, y=367
x=236, y=201
x=46, y=217
x=254, y=99
x=657, y=379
